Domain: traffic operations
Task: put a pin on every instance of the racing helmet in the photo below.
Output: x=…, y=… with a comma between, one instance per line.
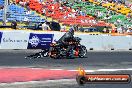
x=71, y=30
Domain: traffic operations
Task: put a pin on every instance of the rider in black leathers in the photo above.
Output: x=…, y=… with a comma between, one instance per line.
x=65, y=39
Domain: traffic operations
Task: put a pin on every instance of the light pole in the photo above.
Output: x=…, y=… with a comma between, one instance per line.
x=5, y=12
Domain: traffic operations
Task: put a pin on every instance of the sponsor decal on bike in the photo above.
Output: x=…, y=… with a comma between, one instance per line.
x=40, y=41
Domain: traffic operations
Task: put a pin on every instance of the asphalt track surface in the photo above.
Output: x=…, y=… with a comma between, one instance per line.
x=93, y=61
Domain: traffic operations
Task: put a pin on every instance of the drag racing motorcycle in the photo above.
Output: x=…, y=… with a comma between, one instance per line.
x=58, y=51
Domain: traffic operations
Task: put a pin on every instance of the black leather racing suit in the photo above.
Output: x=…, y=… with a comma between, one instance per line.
x=65, y=39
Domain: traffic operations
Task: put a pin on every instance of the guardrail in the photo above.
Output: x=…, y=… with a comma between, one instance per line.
x=21, y=39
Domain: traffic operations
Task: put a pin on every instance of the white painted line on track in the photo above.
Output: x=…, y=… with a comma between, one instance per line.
x=106, y=70
x=97, y=70
x=58, y=69
x=128, y=69
x=85, y=70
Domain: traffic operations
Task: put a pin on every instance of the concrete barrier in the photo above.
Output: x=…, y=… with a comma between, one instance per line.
x=104, y=42
x=92, y=42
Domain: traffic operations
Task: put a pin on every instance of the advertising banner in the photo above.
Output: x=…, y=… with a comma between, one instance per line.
x=0, y=36
x=0, y=39
x=40, y=41
x=14, y=40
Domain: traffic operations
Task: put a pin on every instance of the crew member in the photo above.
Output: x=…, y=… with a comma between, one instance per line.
x=14, y=24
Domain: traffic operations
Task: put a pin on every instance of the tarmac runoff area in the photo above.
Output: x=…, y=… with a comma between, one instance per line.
x=62, y=83
x=64, y=70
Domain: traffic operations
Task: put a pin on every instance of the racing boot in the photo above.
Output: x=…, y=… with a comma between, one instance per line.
x=71, y=54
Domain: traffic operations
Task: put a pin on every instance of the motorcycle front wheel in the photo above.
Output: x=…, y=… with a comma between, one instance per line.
x=82, y=51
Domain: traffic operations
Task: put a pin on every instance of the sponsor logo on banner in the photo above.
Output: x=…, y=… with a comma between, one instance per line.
x=0, y=36
x=14, y=40
x=9, y=40
x=40, y=41
x=34, y=41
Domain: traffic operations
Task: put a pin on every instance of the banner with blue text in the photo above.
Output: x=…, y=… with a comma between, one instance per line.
x=40, y=41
